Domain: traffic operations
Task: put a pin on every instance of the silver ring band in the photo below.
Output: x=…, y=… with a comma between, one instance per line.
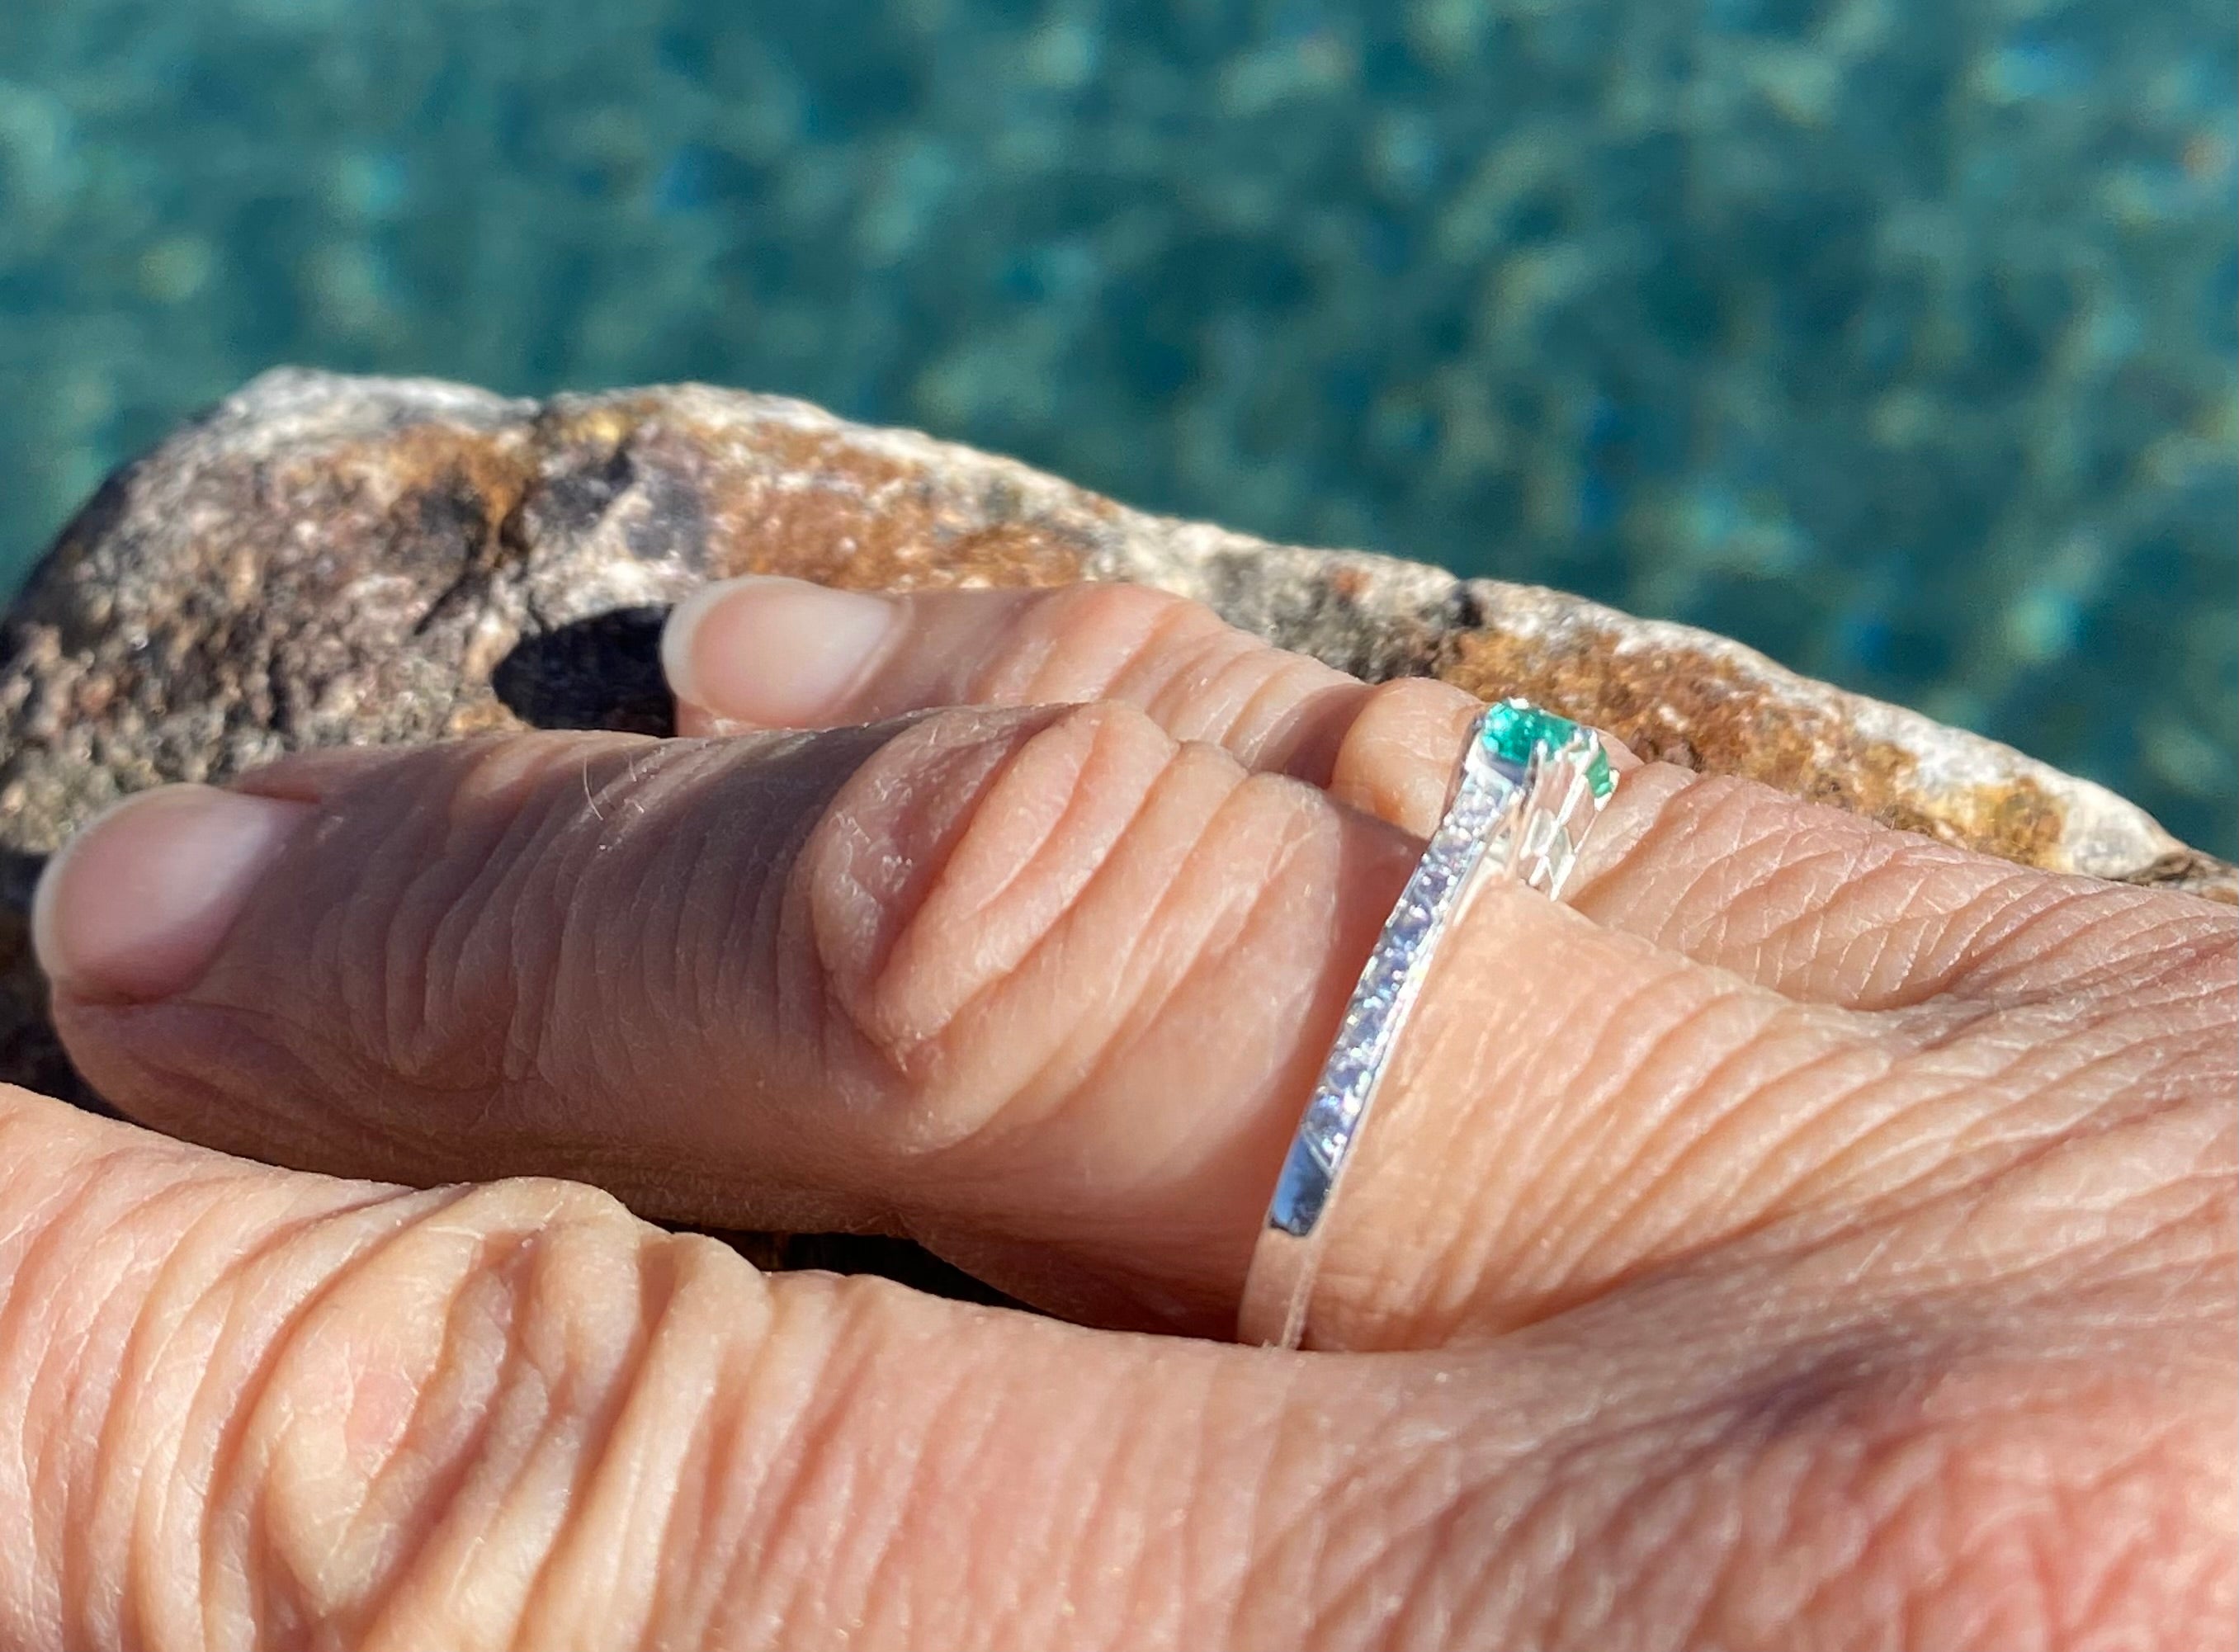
x=1523, y=779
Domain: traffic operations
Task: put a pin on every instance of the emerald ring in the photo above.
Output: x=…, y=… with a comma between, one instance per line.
x=1527, y=790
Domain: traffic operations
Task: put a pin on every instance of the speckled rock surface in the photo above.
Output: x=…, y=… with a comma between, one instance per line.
x=325, y=558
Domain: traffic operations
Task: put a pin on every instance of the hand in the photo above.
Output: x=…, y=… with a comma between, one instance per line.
x=1807, y=1235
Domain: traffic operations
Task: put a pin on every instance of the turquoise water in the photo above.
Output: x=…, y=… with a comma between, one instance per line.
x=1897, y=339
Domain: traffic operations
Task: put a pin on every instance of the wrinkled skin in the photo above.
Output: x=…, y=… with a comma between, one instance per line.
x=1805, y=1235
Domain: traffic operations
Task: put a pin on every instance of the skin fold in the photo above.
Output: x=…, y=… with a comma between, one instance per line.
x=1806, y=1235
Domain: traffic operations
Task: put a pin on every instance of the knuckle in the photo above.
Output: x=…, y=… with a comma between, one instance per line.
x=139, y=1311
x=1077, y=641
x=994, y=899
x=443, y=1375
x=1395, y=754
x=1404, y=702
x=1261, y=703
x=254, y=1409
x=959, y=849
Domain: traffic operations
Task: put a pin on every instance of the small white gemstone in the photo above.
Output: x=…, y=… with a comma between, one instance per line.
x=1471, y=813
x=1348, y=1075
x=1409, y=924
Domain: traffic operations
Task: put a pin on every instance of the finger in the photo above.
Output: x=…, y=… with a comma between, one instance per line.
x=245, y=1407
x=761, y=652
x=253, y=1408
x=1047, y=991
x=1808, y=901
x=1048, y=978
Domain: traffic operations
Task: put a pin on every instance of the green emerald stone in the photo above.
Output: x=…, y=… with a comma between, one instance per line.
x=1512, y=732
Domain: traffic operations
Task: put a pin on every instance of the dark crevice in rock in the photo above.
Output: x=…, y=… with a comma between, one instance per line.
x=1464, y=609
x=600, y=672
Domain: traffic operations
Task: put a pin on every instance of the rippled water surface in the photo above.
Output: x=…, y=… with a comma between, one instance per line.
x=1897, y=339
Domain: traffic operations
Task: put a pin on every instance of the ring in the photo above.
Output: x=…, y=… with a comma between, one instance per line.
x=1522, y=780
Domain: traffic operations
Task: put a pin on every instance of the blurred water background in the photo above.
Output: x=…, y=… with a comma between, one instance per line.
x=1895, y=337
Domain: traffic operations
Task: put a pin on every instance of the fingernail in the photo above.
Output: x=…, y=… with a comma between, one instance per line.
x=775, y=652
x=135, y=906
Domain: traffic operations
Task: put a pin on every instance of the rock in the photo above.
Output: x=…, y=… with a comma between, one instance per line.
x=323, y=559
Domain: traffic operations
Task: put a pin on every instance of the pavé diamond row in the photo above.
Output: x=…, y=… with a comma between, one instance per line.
x=1515, y=812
